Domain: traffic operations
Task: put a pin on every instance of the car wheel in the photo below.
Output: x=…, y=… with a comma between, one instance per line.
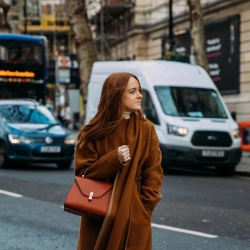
x=225, y=170
x=2, y=155
x=64, y=165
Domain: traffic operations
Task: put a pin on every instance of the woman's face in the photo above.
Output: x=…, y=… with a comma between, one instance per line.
x=132, y=96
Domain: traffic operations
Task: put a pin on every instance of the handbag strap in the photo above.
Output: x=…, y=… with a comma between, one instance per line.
x=85, y=172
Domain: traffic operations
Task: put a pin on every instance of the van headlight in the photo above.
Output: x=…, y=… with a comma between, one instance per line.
x=236, y=133
x=69, y=140
x=176, y=130
x=18, y=139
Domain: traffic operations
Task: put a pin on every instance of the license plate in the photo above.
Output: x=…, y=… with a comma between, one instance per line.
x=213, y=153
x=50, y=149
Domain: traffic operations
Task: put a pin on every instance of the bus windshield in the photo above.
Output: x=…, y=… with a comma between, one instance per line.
x=22, y=67
x=22, y=57
x=190, y=102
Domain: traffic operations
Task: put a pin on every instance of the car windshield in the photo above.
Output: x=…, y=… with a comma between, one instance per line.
x=190, y=102
x=26, y=114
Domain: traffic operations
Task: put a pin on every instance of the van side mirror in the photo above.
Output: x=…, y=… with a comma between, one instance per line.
x=233, y=114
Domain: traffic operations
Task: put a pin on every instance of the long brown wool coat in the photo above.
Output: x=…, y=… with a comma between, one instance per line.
x=128, y=222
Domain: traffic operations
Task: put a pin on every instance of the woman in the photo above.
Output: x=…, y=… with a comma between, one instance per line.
x=58, y=113
x=120, y=140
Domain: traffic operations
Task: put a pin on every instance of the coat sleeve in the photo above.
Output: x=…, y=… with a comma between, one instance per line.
x=152, y=174
x=102, y=167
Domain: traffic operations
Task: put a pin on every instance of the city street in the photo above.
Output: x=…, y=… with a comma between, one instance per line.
x=182, y=65
x=199, y=210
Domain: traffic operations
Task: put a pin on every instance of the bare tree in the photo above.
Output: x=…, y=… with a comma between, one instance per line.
x=85, y=50
x=197, y=33
x=4, y=9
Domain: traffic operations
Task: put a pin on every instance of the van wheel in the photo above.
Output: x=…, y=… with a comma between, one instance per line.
x=2, y=155
x=64, y=165
x=225, y=170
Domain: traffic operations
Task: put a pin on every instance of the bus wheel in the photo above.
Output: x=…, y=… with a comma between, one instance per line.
x=64, y=165
x=225, y=170
x=2, y=155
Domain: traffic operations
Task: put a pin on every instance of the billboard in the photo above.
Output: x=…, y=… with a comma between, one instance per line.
x=222, y=49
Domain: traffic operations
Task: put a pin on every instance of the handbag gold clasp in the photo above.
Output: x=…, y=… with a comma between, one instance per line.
x=91, y=195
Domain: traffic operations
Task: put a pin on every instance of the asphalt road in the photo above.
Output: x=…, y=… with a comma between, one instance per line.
x=199, y=211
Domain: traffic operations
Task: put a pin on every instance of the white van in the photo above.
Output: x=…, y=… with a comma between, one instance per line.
x=191, y=119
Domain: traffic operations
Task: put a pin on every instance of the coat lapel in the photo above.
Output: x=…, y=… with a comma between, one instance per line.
x=116, y=222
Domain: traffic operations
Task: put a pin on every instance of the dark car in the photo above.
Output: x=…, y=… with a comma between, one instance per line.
x=29, y=133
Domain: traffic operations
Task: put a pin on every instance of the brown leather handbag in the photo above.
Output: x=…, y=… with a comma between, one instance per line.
x=89, y=197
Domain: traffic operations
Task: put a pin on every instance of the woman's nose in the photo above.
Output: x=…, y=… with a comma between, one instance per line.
x=139, y=95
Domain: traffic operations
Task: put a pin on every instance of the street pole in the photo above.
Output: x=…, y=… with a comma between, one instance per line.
x=54, y=27
x=57, y=84
x=25, y=17
x=102, y=31
x=171, y=33
x=41, y=16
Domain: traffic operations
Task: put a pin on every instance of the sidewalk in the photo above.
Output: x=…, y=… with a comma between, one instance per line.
x=244, y=165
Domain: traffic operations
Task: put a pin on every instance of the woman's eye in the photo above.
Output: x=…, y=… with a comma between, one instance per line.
x=132, y=92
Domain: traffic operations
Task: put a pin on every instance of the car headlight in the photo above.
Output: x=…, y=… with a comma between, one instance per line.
x=236, y=133
x=69, y=140
x=176, y=130
x=18, y=139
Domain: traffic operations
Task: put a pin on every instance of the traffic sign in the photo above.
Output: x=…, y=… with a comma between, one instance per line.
x=64, y=62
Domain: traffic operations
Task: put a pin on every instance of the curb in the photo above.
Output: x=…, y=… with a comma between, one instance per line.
x=245, y=159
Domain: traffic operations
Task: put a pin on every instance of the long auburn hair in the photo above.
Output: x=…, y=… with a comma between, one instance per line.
x=110, y=108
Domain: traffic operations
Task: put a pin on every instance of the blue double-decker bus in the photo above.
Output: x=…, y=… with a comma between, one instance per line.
x=23, y=66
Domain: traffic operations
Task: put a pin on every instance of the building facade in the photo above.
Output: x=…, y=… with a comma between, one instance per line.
x=139, y=30
x=43, y=17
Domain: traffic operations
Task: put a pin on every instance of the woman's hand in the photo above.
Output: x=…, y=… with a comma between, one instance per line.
x=123, y=153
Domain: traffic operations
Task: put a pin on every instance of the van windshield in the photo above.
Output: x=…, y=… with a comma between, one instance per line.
x=190, y=102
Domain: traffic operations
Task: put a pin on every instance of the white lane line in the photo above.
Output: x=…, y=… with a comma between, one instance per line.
x=184, y=231
x=10, y=194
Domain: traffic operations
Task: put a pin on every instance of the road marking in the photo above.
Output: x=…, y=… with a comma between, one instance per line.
x=10, y=194
x=184, y=231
